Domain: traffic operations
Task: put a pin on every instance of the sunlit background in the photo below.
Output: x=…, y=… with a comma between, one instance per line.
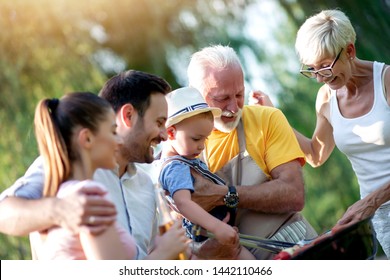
x=49, y=47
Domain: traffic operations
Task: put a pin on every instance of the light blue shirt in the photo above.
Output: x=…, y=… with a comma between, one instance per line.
x=176, y=175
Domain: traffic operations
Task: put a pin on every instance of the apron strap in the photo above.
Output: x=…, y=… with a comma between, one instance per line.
x=204, y=172
x=242, y=149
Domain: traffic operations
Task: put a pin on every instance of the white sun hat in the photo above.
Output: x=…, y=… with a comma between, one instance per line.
x=187, y=102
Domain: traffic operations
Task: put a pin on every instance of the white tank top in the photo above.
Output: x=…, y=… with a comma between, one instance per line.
x=365, y=140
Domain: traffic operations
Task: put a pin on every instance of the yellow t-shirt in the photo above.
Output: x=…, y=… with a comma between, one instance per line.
x=270, y=140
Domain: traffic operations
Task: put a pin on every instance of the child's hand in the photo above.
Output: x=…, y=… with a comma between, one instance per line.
x=225, y=234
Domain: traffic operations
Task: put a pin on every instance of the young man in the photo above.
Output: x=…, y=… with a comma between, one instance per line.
x=138, y=100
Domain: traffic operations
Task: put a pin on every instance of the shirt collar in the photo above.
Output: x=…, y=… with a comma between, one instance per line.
x=131, y=170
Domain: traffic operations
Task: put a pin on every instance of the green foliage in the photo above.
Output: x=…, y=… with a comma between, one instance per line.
x=51, y=47
x=41, y=55
x=14, y=248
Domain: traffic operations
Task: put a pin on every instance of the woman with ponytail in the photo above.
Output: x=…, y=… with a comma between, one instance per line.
x=76, y=135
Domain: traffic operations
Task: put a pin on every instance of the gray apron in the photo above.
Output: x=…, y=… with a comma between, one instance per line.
x=242, y=170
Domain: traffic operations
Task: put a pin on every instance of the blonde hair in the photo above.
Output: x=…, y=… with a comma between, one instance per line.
x=214, y=57
x=323, y=35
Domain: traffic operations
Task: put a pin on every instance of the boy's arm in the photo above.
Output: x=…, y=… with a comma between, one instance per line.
x=193, y=212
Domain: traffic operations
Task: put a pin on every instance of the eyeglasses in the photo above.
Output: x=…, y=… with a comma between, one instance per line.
x=325, y=72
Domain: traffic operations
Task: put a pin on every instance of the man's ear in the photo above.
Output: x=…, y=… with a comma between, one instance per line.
x=85, y=138
x=171, y=131
x=126, y=114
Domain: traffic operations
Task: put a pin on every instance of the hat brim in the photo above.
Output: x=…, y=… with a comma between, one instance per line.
x=176, y=119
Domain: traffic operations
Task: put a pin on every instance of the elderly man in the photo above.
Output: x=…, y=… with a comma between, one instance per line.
x=255, y=150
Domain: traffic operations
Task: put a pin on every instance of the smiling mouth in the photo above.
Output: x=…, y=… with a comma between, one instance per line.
x=228, y=114
x=332, y=80
x=229, y=119
x=154, y=146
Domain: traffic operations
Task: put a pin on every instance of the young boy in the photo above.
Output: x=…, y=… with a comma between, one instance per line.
x=190, y=122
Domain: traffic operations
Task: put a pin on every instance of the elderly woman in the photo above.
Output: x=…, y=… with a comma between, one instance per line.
x=353, y=113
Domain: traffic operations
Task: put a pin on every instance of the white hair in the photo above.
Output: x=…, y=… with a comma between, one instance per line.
x=214, y=57
x=323, y=35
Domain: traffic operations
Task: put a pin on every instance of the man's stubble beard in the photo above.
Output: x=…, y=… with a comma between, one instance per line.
x=133, y=150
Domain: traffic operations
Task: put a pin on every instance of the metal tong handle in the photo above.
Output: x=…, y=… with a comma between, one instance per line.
x=273, y=246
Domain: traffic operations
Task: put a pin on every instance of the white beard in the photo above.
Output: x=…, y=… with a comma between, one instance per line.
x=230, y=126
